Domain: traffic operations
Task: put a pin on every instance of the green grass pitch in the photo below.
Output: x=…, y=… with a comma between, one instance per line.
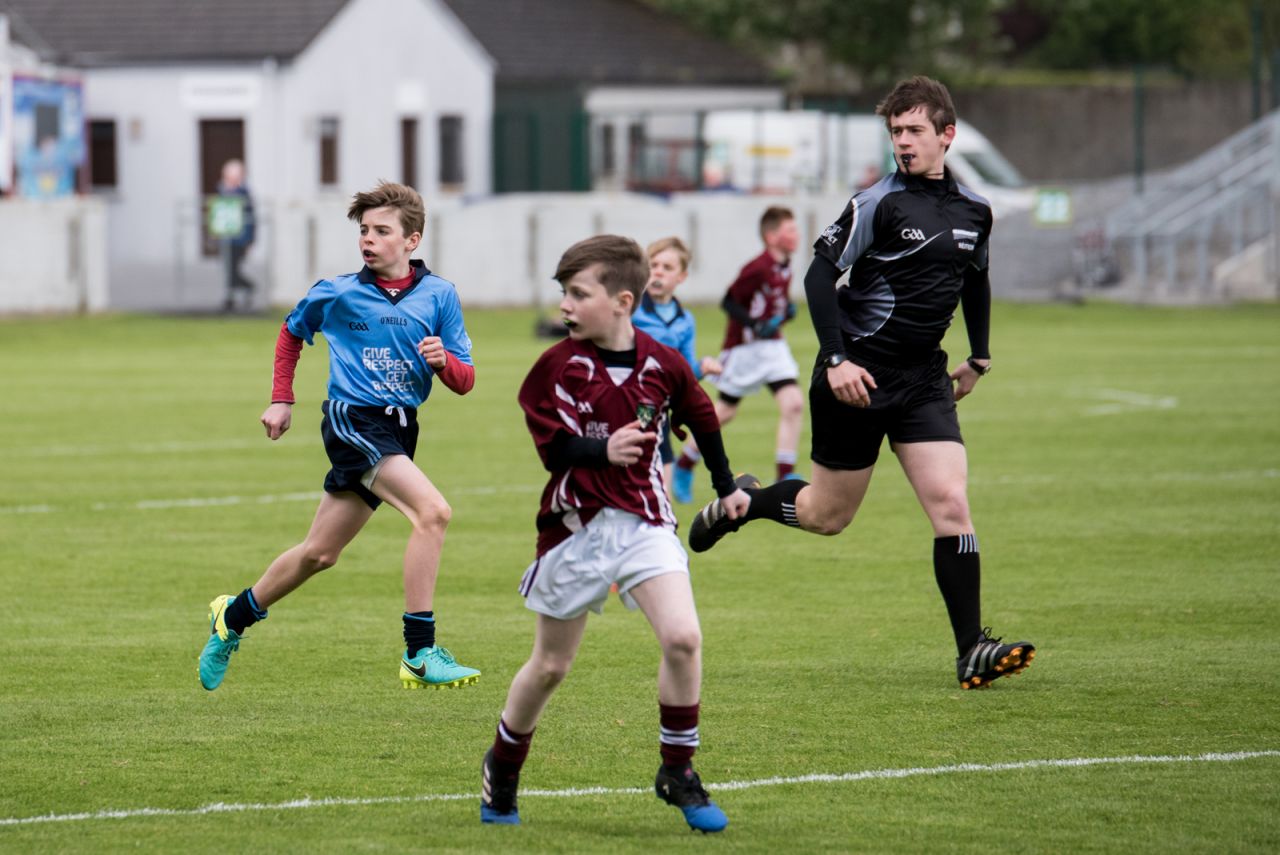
x=1125, y=483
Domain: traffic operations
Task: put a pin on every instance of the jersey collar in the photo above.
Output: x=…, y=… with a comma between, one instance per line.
x=417, y=268
x=646, y=346
x=920, y=183
x=647, y=305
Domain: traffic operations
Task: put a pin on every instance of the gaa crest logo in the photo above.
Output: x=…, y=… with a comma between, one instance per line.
x=645, y=413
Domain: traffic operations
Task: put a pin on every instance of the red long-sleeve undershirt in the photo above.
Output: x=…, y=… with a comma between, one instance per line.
x=457, y=375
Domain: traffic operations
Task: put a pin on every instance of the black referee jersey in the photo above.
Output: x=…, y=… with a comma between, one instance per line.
x=914, y=247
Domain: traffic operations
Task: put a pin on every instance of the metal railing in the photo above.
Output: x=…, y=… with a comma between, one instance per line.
x=1203, y=213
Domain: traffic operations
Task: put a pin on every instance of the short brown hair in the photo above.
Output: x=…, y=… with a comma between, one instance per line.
x=672, y=243
x=774, y=216
x=919, y=91
x=413, y=214
x=623, y=265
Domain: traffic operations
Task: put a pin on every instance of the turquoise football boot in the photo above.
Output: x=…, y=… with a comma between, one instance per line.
x=223, y=641
x=434, y=668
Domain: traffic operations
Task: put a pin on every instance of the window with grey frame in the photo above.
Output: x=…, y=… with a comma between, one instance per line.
x=452, y=160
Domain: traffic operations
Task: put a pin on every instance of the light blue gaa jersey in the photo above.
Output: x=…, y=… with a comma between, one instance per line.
x=373, y=336
x=678, y=331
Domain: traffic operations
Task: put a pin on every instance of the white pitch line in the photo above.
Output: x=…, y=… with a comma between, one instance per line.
x=224, y=501
x=167, y=447
x=846, y=777
x=526, y=489
x=1124, y=401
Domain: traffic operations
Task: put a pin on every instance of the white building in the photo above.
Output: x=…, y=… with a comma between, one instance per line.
x=322, y=98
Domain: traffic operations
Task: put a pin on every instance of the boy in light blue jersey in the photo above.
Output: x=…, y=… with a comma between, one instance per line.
x=661, y=316
x=392, y=329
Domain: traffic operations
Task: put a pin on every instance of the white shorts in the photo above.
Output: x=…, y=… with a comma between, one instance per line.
x=614, y=548
x=749, y=366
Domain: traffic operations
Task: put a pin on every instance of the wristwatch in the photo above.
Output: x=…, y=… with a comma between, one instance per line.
x=835, y=359
x=983, y=370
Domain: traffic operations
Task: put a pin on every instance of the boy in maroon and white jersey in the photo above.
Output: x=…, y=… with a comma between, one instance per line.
x=755, y=354
x=596, y=404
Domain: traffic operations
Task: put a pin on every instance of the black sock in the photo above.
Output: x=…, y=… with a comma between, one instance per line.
x=419, y=631
x=776, y=502
x=243, y=612
x=958, y=569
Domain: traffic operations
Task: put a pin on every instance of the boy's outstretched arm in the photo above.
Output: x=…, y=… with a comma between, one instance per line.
x=279, y=416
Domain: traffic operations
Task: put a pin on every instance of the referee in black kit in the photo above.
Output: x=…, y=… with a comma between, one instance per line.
x=914, y=245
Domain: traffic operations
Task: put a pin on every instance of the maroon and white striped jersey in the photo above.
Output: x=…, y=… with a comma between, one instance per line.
x=763, y=288
x=570, y=389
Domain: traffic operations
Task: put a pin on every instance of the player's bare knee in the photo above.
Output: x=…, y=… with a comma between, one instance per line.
x=951, y=509
x=683, y=643
x=317, y=557
x=550, y=671
x=433, y=516
x=828, y=524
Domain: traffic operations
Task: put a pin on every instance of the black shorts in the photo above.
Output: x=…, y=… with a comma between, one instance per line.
x=356, y=438
x=913, y=404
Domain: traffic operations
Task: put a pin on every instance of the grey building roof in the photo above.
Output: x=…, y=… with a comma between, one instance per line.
x=532, y=41
x=600, y=41
x=111, y=32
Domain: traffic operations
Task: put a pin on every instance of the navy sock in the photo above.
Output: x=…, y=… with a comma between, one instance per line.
x=419, y=631
x=958, y=570
x=243, y=612
x=776, y=502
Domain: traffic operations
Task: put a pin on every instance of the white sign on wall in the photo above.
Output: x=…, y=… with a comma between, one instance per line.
x=213, y=93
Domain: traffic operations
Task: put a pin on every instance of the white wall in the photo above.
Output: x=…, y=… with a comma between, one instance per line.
x=502, y=251
x=153, y=215
x=55, y=256
x=377, y=62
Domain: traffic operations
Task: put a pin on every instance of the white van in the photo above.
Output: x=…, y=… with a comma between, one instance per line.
x=806, y=151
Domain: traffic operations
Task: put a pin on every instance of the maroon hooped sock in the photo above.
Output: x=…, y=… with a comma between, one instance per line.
x=510, y=749
x=679, y=734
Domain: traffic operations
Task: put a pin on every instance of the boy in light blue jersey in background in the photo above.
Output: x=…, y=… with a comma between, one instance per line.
x=391, y=329
x=661, y=316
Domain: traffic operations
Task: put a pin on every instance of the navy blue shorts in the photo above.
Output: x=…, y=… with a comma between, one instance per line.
x=914, y=404
x=356, y=438
x=664, y=445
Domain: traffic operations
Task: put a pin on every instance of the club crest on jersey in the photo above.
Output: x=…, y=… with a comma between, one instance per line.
x=645, y=413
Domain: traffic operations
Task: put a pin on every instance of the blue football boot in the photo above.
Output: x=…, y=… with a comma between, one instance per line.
x=685, y=792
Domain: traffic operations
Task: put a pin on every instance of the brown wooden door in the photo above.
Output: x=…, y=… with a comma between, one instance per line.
x=220, y=140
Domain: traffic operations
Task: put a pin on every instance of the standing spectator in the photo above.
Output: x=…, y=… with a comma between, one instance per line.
x=234, y=247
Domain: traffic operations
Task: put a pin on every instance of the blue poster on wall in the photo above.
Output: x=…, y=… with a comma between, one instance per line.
x=48, y=136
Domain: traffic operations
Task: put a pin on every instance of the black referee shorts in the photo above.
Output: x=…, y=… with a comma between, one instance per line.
x=914, y=404
x=356, y=438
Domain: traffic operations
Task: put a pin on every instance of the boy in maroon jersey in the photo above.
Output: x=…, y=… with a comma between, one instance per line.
x=596, y=404
x=754, y=353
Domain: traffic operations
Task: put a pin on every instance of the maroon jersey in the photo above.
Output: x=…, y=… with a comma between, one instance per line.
x=762, y=288
x=570, y=389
